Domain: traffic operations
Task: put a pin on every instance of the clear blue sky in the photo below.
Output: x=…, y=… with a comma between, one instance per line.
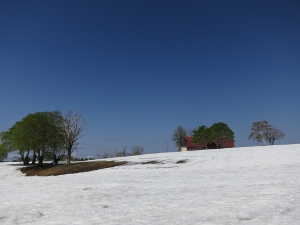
x=138, y=69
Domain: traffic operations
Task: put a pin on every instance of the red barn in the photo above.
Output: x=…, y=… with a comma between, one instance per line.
x=188, y=144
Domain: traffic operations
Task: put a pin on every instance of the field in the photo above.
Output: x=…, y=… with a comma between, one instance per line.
x=252, y=185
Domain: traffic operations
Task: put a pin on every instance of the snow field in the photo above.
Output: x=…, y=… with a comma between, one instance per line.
x=253, y=185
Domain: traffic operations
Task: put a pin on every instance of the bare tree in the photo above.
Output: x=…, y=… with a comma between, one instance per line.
x=258, y=131
x=263, y=131
x=111, y=153
x=73, y=124
x=122, y=153
x=137, y=150
x=102, y=155
x=273, y=134
x=178, y=136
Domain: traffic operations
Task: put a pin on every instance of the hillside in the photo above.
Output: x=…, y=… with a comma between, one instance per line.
x=252, y=185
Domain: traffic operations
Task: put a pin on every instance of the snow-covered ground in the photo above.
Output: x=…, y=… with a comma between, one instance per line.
x=253, y=185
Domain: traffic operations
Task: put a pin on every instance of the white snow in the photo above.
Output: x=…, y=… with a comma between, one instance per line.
x=253, y=185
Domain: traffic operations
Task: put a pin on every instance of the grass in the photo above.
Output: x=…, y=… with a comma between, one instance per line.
x=61, y=169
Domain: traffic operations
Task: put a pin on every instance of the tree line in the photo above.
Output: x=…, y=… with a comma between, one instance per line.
x=43, y=134
x=261, y=131
x=203, y=134
x=112, y=153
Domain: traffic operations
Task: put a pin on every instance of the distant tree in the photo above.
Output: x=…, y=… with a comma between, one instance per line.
x=202, y=135
x=13, y=140
x=178, y=136
x=73, y=124
x=102, y=155
x=3, y=152
x=258, y=131
x=122, y=153
x=4, y=147
x=263, y=131
x=190, y=131
x=274, y=134
x=221, y=131
x=137, y=150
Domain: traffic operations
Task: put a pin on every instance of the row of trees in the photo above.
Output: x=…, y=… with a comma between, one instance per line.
x=44, y=134
x=203, y=134
x=262, y=131
x=111, y=153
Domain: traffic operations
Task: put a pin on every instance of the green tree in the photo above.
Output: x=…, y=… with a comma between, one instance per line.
x=41, y=132
x=3, y=152
x=14, y=140
x=202, y=135
x=178, y=136
x=221, y=131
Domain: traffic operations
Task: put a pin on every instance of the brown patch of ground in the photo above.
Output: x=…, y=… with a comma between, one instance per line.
x=61, y=169
x=182, y=161
x=150, y=162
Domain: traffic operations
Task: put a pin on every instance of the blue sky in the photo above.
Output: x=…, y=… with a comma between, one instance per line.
x=138, y=69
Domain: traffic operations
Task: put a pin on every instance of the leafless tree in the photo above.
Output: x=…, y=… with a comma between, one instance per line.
x=102, y=155
x=119, y=154
x=73, y=124
x=258, y=131
x=124, y=151
x=108, y=153
x=190, y=131
x=137, y=150
x=112, y=153
x=178, y=136
x=263, y=131
x=98, y=156
x=273, y=134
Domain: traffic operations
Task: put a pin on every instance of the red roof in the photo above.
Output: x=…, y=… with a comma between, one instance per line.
x=189, y=143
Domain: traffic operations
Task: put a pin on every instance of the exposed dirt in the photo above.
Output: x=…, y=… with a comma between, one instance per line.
x=61, y=169
x=182, y=161
x=151, y=162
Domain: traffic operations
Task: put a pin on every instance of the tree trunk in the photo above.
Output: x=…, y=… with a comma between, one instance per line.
x=25, y=159
x=40, y=158
x=33, y=158
x=55, y=159
x=69, y=159
x=69, y=150
x=69, y=156
x=272, y=142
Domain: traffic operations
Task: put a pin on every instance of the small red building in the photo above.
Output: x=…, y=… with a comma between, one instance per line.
x=188, y=144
